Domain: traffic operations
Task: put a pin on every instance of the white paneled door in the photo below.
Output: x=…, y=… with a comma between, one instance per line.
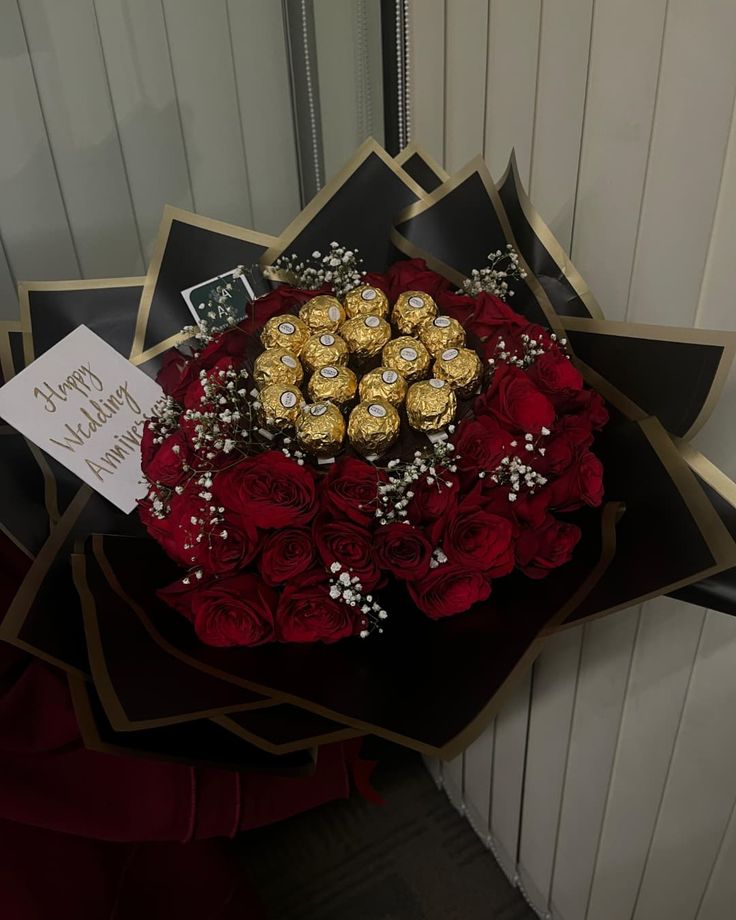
x=606, y=788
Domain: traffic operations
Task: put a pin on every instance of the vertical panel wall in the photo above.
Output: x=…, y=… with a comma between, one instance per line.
x=111, y=109
x=606, y=788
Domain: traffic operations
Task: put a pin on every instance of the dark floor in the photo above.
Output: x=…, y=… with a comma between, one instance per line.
x=413, y=858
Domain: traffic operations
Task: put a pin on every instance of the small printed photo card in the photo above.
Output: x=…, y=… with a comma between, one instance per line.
x=85, y=405
x=215, y=300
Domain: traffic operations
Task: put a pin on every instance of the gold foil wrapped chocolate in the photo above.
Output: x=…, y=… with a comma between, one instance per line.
x=320, y=429
x=334, y=382
x=373, y=426
x=285, y=331
x=408, y=356
x=441, y=333
x=383, y=383
x=461, y=368
x=430, y=405
x=323, y=349
x=411, y=309
x=280, y=406
x=323, y=313
x=366, y=301
x=277, y=365
x=365, y=335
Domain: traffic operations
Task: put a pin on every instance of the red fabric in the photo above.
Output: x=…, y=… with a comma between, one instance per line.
x=90, y=835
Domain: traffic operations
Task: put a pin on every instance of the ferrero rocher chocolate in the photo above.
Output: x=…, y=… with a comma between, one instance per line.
x=430, y=405
x=320, y=429
x=366, y=301
x=323, y=349
x=323, y=313
x=285, y=331
x=365, y=335
x=277, y=365
x=411, y=310
x=408, y=356
x=373, y=426
x=280, y=406
x=461, y=368
x=383, y=383
x=441, y=333
x=334, y=382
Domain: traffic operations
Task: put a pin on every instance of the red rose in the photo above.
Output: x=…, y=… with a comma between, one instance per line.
x=482, y=315
x=479, y=540
x=286, y=554
x=555, y=375
x=194, y=397
x=543, y=548
x=447, y=590
x=586, y=409
x=232, y=343
x=267, y=491
x=480, y=444
x=350, y=490
x=413, y=275
x=190, y=540
x=514, y=401
x=283, y=299
x=561, y=450
x=163, y=463
x=350, y=545
x=527, y=509
x=403, y=551
x=238, y=610
x=307, y=613
x=459, y=306
x=433, y=500
x=177, y=372
x=581, y=483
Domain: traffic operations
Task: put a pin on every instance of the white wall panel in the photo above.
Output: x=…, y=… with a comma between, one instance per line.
x=614, y=799
x=70, y=75
x=133, y=36
x=602, y=683
x=509, y=755
x=554, y=691
x=427, y=44
x=33, y=220
x=694, y=103
x=466, y=37
x=564, y=45
x=202, y=57
x=660, y=674
x=8, y=297
x=622, y=86
x=511, y=83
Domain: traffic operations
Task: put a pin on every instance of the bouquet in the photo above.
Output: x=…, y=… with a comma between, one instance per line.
x=397, y=439
x=299, y=466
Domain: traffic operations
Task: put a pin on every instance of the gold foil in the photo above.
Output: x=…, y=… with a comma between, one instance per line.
x=320, y=429
x=383, y=383
x=280, y=406
x=285, y=331
x=373, y=426
x=366, y=301
x=333, y=382
x=441, y=333
x=323, y=314
x=411, y=309
x=277, y=365
x=461, y=368
x=430, y=405
x=323, y=349
x=365, y=335
x=408, y=356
